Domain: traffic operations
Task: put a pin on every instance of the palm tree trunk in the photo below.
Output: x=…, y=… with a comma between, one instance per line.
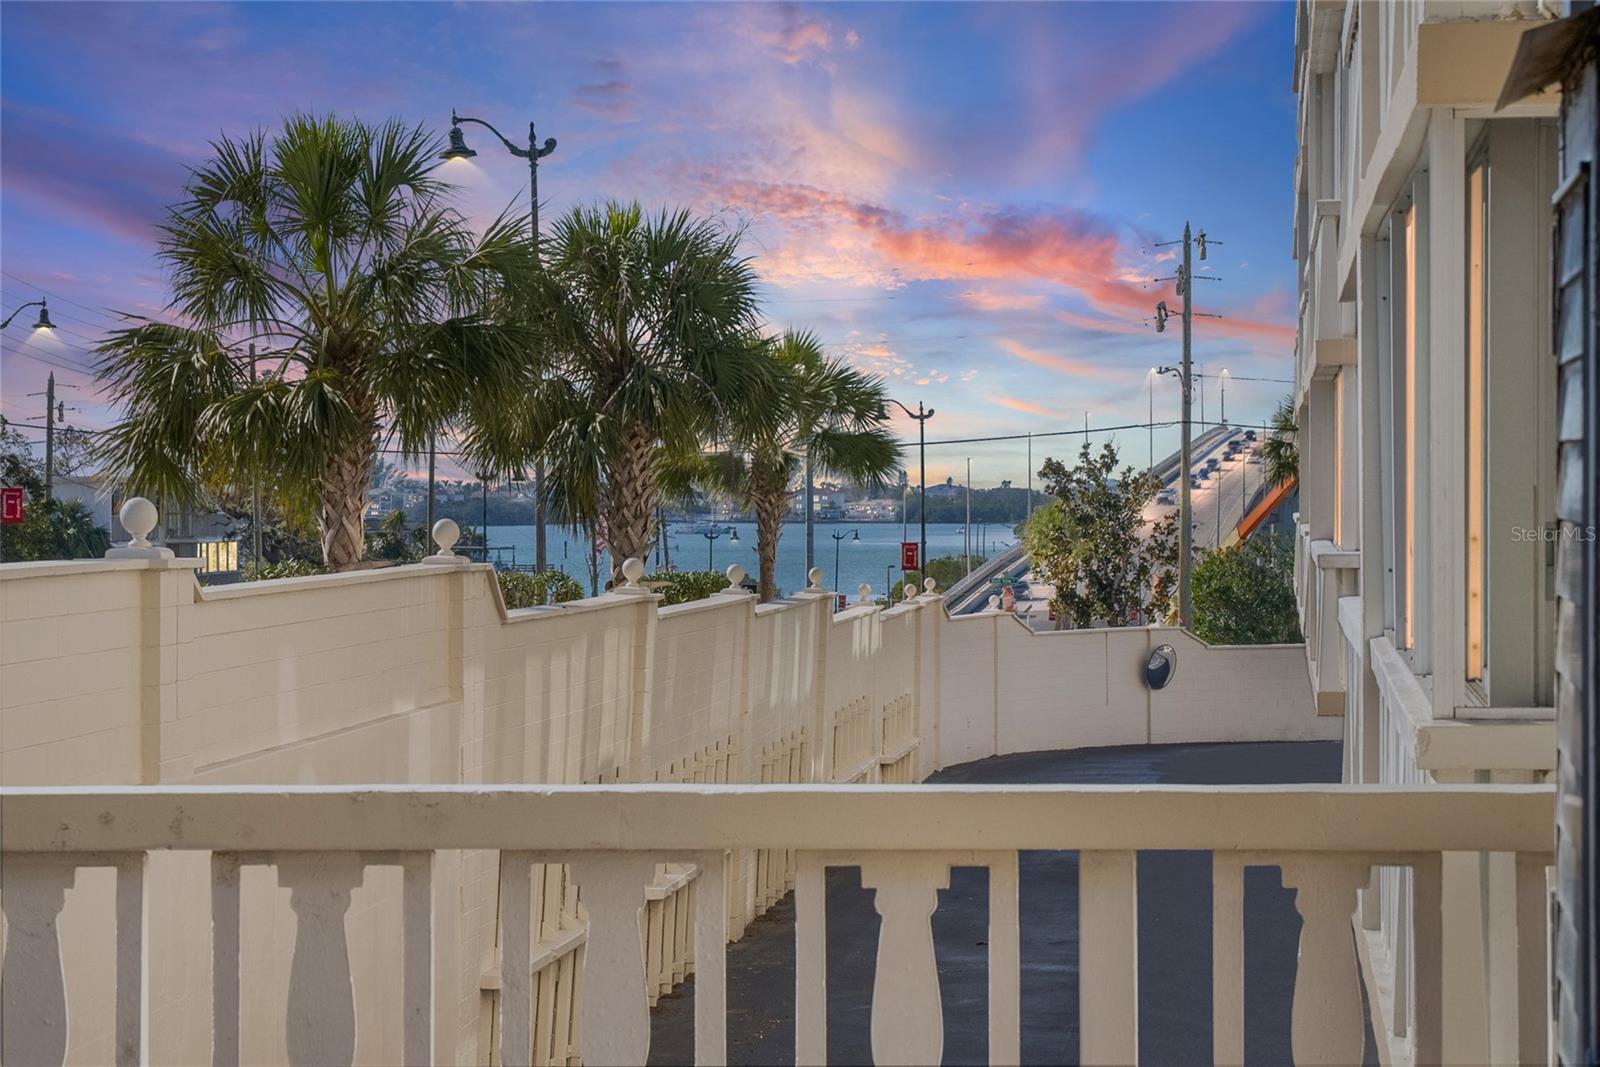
x=631, y=498
x=769, y=501
x=343, y=505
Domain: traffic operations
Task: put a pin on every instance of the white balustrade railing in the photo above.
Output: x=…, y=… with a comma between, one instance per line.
x=1331, y=573
x=614, y=841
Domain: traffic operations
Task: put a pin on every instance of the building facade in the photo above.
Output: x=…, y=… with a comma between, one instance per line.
x=1442, y=546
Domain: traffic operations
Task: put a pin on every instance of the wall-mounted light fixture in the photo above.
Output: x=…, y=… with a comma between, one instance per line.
x=1161, y=666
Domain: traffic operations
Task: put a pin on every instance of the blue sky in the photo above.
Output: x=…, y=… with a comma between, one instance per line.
x=961, y=198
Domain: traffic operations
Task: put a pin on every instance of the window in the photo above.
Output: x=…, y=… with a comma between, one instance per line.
x=1476, y=442
x=218, y=556
x=1408, y=484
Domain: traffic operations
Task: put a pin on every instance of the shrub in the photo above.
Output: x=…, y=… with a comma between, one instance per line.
x=1244, y=594
x=680, y=587
x=522, y=589
x=288, y=568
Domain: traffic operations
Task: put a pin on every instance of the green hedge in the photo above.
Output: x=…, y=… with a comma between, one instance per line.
x=524, y=590
x=289, y=568
x=680, y=587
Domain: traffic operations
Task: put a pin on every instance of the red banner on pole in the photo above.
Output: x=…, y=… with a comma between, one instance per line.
x=11, y=505
x=908, y=556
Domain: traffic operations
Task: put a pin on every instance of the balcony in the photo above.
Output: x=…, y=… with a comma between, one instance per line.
x=586, y=802
x=324, y=842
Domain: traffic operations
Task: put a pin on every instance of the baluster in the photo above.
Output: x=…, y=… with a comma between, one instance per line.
x=516, y=959
x=616, y=1013
x=224, y=959
x=33, y=992
x=417, y=960
x=320, y=1028
x=810, y=960
x=1108, y=971
x=1327, y=1025
x=907, y=1018
x=710, y=963
x=1227, y=958
x=1533, y=961
x=132, y=961
x=1427, y=948
x=1005, y=962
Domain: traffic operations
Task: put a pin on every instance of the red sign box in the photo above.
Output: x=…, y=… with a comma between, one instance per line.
x=10, y=505
x=908, y=556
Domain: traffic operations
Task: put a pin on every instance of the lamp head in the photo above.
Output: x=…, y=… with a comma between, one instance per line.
x=458, y=144
x=44, y=322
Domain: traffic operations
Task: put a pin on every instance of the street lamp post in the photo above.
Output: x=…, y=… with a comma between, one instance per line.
x=966, y=528
x=1222, y=384
x=1185, y=504
x=1152, y=422
x=855, y=539
x=533, y=153
x=711, y=533
x=922, y=416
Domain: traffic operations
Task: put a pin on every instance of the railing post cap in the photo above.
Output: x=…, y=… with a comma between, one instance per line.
x=815, y=576
x=930, y=585
x=446, y=532
x=735, y=575
x=994, y=603
x=632, y=571
x=138, y=516
x=864, y=593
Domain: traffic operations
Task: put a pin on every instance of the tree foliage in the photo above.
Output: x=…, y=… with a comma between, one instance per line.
x=818, y=407
x=329, y=254
x=649, y=321
x=1281, y=450
x=51, y=529
x=1244, y=594
x=1108, y=564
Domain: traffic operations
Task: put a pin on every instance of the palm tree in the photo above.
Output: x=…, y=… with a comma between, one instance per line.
x=648, y=320
x=1281, y=450
x=377, y=310
x=821, y=407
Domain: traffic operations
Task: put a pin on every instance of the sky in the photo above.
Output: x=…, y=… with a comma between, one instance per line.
x=966, y=199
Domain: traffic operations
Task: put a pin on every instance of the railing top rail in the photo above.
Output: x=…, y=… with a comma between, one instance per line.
x=660, y=818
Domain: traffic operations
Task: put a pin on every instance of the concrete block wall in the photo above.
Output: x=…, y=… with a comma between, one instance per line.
x=116, y=672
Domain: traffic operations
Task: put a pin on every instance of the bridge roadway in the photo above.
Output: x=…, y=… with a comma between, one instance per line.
x=1174, y=934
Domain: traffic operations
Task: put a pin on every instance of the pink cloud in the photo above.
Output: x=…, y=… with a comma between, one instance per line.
x=1062, y=364
x=1023, y=406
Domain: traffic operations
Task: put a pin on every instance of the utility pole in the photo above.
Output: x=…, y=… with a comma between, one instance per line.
x=1185, y=279
x=1027, y=511
x=50, y=436
x=255, y=491
x=54, y=411
x=433, y=444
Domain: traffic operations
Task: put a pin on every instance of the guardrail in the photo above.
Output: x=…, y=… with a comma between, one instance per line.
x=322, y=842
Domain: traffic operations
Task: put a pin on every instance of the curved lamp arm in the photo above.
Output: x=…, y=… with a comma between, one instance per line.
x=521, y=153
x=14, y=314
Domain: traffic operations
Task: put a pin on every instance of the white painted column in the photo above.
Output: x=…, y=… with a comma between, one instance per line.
x=1108, y=970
